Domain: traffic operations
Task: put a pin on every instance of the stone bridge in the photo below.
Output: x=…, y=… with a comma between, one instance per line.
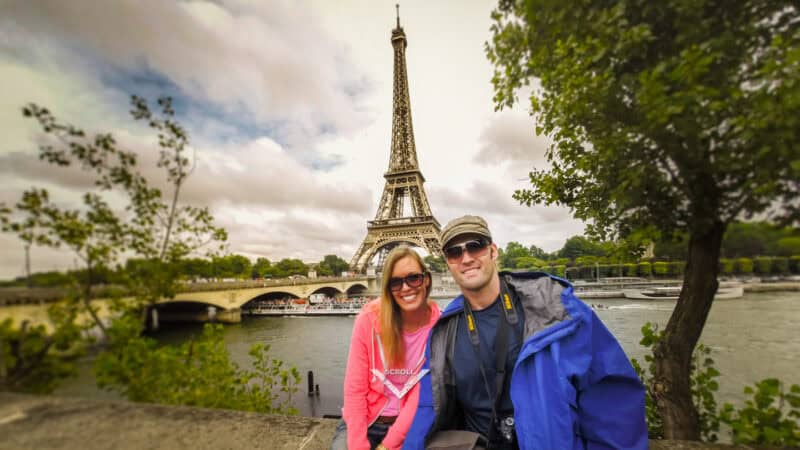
x=223, y=302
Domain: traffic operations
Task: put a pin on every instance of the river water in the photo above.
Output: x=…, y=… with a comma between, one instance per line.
x=751, y=338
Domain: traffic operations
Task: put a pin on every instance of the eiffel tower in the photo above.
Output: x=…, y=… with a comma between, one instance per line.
x=403, y=181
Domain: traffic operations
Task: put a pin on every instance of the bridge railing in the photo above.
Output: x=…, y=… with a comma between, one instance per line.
x=267, y=282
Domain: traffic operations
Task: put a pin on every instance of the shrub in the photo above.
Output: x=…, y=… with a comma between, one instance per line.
x=744, y=265
x=645, y=269
x=586, y=272
x=34, y=360
x=788, y=245
x=676, y=268
x=794, y=264
x=660, y=269
x=198, y=372
x=629, y=270
x=767, y=419
x=762, y=265
x=780, y=265
x=726, y=266
x=702, y=380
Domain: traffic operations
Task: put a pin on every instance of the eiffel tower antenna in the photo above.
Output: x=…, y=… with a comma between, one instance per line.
x=404, y=180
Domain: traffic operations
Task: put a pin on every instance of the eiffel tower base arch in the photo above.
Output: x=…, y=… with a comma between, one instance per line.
x=381, y=238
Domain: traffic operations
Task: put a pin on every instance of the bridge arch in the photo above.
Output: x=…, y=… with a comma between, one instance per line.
x=328, y=291
x=269, y=297
x=357, y=290
x=190, y=311
x=236, y=296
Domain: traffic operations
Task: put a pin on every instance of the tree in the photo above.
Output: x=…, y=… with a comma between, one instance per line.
x=751, y=239
x=241, y=266
x=155, y=234
x=788, y=246
x=537, y=252
x=289, y=266
x=435, y=263
x=580, y=246
x=261, y=267
x=332, y=265
x=35, y=360
x=196, y=268
x=530, y=262
x=231, y=266
x=745, y=239
x=156, y=231
x=682, y=116
x=512, y=252
x=674, y=247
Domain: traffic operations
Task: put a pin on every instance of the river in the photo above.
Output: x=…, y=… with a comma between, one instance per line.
x=751, y=338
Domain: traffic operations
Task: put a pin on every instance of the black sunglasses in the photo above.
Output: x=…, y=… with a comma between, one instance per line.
x=474, y=248
x=413, y=280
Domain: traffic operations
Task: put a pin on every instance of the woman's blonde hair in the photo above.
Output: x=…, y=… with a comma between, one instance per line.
x=390, y=317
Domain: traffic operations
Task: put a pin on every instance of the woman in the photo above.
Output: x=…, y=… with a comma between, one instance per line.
x=387, y=349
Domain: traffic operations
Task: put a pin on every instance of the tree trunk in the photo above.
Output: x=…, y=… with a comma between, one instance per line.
x=87, y=297
x=28, y=266
x=674, y=352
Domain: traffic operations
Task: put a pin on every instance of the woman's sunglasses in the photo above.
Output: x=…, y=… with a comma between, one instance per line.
x=475, y=249
x=413, y=280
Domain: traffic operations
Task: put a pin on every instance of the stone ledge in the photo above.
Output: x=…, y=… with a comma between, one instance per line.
x=31, y=422
x=47, y=422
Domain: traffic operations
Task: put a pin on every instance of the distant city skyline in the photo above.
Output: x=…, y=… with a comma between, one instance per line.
x=288, y=107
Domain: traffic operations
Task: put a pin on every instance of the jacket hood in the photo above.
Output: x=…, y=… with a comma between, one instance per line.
x=518, y=280
x=553, y=305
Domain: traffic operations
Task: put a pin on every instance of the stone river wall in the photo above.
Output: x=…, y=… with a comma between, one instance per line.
x=47, y=422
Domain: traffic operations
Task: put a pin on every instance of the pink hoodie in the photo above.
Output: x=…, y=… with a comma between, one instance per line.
x=364, y=396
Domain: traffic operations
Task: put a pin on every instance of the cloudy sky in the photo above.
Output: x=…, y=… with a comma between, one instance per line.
x=288, y=106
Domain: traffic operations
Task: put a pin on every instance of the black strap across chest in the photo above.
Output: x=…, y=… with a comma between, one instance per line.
x=500, y=347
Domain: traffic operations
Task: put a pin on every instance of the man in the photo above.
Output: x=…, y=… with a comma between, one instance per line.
x=520, y=360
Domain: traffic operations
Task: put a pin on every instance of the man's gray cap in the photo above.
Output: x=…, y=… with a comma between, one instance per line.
x=464, y=225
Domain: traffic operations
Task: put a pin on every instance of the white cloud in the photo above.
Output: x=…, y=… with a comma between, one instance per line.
x=272, y=58
x=289, y=105
x=510, y=136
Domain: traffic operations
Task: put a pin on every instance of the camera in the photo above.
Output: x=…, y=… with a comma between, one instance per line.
x=505, y=428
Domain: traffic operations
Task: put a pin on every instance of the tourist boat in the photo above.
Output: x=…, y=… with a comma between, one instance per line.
x=656, y=293
x=587, y=293
x=725, y=291
x=293, y=308
x=729, y=291
x=444, y=293
x=608, y=287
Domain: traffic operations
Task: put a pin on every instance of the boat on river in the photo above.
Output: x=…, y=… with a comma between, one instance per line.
x=609, y=287
x=585, y=293
x=725, y=291
x=347, y=307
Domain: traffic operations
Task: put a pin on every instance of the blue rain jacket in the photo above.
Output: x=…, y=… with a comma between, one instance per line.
x=572, y=385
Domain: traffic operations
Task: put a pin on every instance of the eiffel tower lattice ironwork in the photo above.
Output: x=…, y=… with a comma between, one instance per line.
x=404, y=181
